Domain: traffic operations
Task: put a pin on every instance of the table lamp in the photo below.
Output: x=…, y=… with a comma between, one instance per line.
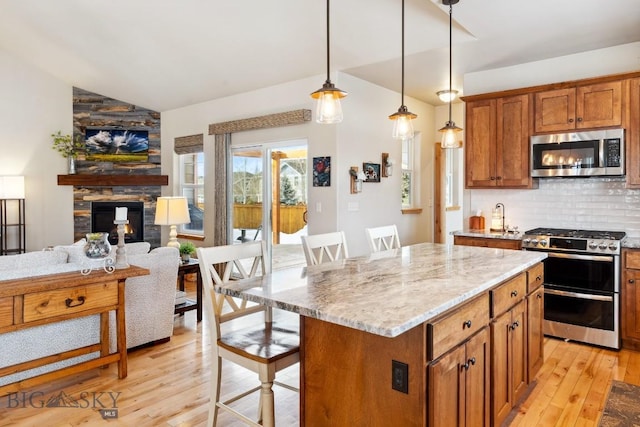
x=172, y=211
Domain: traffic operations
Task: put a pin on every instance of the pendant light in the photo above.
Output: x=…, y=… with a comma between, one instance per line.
x=450, y=130
x=402, y=127
x=328, y=108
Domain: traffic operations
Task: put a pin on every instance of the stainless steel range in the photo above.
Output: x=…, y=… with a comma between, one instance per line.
x=582, y=283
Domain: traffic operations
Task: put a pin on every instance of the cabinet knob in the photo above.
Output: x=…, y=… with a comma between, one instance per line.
x=514, y=293
x=570, y=120
x=538, y=278
x=466, y=324
x=493, y=178
x=632, y=281
x=539, y=296
x=499, y=178
x=514, y=325
x=579, y=119
x=471, y=361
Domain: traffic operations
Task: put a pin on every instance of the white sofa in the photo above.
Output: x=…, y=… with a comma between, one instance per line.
x=149, y=306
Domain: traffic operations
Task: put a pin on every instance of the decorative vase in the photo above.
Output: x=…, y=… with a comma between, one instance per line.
x=71, y=165
x=97, y=246
x=185, y=257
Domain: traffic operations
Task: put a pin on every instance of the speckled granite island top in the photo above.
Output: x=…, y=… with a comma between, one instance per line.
x=390, y=292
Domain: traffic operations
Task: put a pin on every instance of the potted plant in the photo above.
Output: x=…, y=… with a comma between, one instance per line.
x=68, y=147
x=186, y=249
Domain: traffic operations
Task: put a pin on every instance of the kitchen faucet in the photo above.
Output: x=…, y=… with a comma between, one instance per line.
x=502, y=228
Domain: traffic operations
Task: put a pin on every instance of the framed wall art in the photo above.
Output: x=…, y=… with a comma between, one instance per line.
x=117, y=145
x=322, y=171
x=371, y=171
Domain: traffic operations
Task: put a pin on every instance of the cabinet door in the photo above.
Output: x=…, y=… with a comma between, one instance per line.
x=535, y=340
x=480, y=147
x=631, y=295
x=518, y=343
x=633, y=135
x=508, y=361
x=446, y=393
x=599, y=105
x=512, y=141
x=478, y=380
x=500, y=366
x=555, y=110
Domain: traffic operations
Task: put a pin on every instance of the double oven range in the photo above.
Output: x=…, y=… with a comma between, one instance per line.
x=582, y=283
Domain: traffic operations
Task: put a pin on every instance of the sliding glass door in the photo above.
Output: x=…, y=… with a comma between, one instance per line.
x=269, y=194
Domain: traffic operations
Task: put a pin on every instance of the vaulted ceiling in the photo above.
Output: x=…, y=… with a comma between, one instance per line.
x=168, y=54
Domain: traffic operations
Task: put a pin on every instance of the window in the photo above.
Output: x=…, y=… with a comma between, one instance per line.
x=192, y=187
x=407, y=173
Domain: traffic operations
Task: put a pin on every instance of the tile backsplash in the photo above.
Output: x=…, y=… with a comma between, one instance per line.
x=578, y=203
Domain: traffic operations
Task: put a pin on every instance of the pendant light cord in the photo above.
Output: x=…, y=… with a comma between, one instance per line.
x=402, y=80
x=450, y=62
x=328, y=44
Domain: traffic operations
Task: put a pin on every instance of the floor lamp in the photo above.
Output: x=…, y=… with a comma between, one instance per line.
x=172, y=211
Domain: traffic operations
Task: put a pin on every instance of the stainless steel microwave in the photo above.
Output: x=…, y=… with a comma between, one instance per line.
x=590, y=153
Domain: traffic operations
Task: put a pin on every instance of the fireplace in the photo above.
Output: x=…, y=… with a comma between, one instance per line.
x=104, y=213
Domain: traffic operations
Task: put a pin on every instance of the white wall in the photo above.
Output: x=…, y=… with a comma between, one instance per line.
x=589, y=203
x=34, y=105
x=361, y=137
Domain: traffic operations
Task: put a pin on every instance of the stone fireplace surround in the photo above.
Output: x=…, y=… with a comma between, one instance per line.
x=119, y=182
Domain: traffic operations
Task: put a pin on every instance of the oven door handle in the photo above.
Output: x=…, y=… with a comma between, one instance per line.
x=578, y=295
x=605, y=258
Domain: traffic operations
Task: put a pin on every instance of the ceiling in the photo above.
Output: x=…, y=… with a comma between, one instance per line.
x=167, y=54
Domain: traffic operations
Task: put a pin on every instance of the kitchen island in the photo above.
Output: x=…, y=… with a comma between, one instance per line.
x=372, y=328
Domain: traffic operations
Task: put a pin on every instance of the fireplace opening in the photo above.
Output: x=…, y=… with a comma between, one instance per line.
x=104, y=213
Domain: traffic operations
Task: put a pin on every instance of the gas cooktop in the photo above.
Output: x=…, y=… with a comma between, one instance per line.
x=579, y=234
x=569, y=240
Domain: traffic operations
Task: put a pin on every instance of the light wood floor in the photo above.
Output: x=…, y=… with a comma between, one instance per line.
x=168, y=385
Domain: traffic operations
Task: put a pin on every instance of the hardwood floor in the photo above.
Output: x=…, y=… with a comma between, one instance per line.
x=168, y=385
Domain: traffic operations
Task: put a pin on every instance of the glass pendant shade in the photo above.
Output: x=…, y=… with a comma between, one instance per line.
x=450, y=135
x=328, y=108
x=402, y=126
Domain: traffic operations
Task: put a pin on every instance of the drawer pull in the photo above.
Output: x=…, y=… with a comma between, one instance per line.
x=514, y=325
x=514, y=293
x=466, y=324
x=69, y=302
x=538, y=278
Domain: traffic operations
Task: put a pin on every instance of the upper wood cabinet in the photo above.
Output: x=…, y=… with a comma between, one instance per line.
x=581, y=107
x=497, y=146
x=632, y=137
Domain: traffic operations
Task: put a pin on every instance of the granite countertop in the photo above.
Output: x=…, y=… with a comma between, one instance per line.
x=631, y=242
x=389, y=292
x=487, y=235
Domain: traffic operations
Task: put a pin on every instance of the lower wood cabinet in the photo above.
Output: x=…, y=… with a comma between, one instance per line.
x=488, y=242
x=630, y=305
x=458, y=384
x=535, y=336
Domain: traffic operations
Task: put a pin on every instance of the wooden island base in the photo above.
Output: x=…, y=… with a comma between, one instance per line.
x=468, y=366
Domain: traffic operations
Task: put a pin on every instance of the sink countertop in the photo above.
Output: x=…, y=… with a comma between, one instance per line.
x=488, y=235
x=389, y=292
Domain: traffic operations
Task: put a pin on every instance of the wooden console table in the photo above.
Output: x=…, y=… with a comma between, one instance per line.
x=191, y=267
x=40, y=300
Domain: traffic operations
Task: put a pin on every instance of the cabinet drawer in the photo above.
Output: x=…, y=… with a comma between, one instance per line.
x=452, y=329
x=535, y=277
x=508, y=294
x=6, y=311
x=632, y=259
x=59, y=302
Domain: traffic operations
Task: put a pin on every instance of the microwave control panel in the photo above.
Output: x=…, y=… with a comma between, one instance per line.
x=612, y=152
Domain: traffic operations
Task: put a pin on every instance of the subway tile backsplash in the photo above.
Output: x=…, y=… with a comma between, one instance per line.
x=579, y=203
